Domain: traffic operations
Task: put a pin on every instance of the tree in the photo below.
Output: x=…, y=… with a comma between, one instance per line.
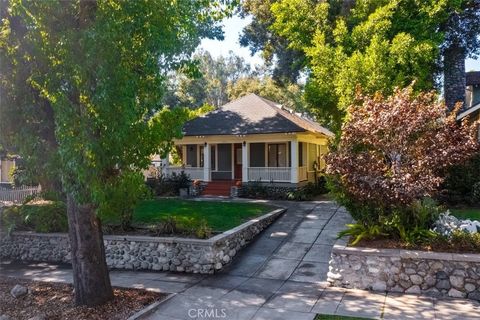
x=287, y=62
x=462, y=40
x=378, y=45
x=394, y=151
x=289, y=96
x=102, y=75
x=209, y=85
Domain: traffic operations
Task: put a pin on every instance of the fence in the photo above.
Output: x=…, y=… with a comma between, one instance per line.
x=17, y=194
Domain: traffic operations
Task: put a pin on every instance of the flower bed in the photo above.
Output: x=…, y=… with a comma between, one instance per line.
x=143, y=253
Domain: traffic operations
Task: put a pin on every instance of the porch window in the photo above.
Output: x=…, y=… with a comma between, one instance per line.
x=257, y=155
x=277, y=155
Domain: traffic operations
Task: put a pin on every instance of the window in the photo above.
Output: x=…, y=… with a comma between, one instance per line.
x=277, y=155
x=257, y=155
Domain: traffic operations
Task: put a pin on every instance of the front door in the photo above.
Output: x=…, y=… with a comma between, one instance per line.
x=237, y=161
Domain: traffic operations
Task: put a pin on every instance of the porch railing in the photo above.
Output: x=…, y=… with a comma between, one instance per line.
x=267, y=174
x=193, y=172
x=302, y=173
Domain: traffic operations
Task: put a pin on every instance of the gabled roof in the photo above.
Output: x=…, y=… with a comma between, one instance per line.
x=251, y=114
x=473, y=78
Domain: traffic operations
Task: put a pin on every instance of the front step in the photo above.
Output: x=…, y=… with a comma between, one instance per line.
x=218, y=188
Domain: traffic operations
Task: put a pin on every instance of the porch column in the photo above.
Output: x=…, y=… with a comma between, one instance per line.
x=164, y=163
x=245, y=157
x=206, y=162
x=294, y=155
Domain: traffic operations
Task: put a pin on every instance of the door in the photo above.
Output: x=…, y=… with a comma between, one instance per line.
x=237, y=161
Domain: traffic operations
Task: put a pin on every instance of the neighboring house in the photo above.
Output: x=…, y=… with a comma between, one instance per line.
x=6, y=167
x=252, y=139
x=472, y=97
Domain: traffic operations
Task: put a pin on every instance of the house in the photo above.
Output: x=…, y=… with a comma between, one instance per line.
x=251, y=139
x=6, y=167
x=472, y=97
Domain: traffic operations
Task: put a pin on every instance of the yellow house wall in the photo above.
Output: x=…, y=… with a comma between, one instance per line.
x=5, y=170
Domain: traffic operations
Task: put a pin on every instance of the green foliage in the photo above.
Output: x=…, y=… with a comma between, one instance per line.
x=210, y=85
x=378, y=45
x=122, y=194
x=288, y=95
x=45, y=217
x=169, y=185
x=459, y=183
x=98, y=73
x=359, y=231
x=203, y=231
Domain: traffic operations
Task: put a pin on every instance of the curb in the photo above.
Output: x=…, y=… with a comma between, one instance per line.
x=142, y=314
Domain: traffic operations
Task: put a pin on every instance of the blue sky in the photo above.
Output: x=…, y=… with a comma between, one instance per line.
x=233, y=28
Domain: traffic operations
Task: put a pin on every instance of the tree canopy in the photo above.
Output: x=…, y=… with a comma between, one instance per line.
x=375, y=44
x=95, y=73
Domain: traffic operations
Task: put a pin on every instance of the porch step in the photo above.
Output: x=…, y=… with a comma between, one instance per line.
x=218, y=188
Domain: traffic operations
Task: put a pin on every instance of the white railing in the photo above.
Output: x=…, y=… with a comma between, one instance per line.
x=193, y=172
x=302, y=173
x=17, y=194
x=267, y=174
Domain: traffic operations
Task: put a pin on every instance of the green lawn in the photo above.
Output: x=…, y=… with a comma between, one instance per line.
x=331, y=317
x=220, y=216
x=466, y=213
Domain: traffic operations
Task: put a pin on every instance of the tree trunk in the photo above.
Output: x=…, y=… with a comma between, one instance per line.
x=90, y=273
x=454, y=76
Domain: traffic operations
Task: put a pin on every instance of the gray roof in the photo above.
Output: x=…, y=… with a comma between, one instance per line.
x=251, y=114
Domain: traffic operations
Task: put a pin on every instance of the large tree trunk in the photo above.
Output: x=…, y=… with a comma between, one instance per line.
x=454, y=76
x=90, y=273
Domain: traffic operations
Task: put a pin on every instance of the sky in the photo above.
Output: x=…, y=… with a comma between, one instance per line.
x=233, y=27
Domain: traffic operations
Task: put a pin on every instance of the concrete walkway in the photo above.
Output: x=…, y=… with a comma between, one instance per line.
x=281, y=275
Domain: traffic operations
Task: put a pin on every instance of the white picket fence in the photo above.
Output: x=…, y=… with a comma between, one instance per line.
x=17, y=194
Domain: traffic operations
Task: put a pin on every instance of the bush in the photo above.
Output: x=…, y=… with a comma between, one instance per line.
x=44, y=217
x=459, y=185
x=169, y=185
x=393, y=153
x=174, y=225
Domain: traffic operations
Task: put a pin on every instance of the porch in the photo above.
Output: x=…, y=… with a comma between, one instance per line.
x=272, y=160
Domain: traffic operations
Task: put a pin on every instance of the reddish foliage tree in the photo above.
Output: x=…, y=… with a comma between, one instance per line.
x=393, y=150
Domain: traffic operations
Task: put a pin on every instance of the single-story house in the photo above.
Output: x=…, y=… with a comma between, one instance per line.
x=251, y=139
x=472, y=97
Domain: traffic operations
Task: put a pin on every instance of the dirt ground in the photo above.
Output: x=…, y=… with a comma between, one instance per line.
x=55, y=301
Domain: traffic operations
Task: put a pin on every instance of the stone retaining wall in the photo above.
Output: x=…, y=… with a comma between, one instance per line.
x=143, y=253
x=431, y=273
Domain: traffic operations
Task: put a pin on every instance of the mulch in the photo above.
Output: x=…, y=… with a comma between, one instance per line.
x=439, y=246
x=55, y=301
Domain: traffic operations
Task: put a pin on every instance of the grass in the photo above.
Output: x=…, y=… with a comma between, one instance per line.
x=220, y=216
x=332, y=317
x=466, y=213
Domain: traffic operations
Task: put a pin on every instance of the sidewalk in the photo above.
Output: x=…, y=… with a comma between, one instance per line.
x=281, y=275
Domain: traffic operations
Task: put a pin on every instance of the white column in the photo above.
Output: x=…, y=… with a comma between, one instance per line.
x=294, y=168
x=206, y=162
x=164, y=163
x=245, y=157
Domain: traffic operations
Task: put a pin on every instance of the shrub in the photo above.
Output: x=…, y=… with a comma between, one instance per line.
x=120, y=197
x=460, y=181
x=44, y=217
x=393, y=153
x=169, y=185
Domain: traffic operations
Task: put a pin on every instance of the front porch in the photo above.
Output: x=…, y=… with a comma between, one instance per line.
x=267, y=160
